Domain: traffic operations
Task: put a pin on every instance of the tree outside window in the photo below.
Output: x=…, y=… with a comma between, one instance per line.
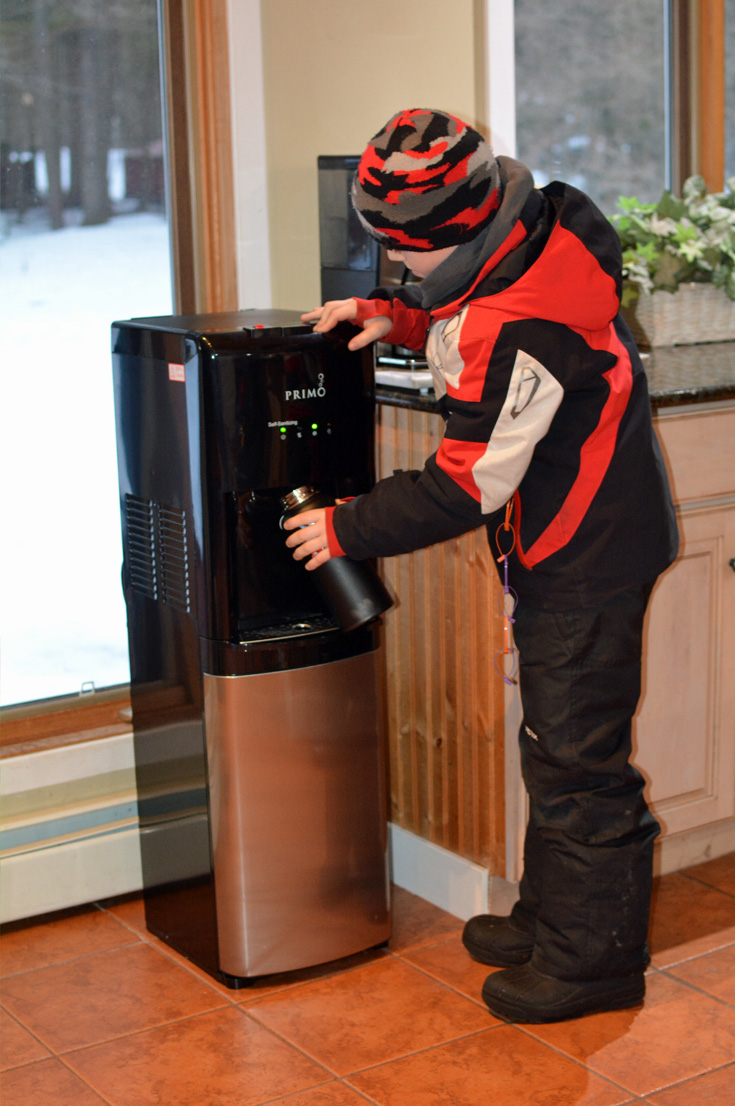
x=590, y=95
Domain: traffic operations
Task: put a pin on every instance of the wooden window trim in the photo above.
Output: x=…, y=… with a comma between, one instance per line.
x=709, y=126
x=697, y=92
x=679, y=94
x=196, y=78
x=48, y=723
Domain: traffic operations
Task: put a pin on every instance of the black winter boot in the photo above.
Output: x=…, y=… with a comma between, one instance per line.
x=494, y=940
x=524, y=994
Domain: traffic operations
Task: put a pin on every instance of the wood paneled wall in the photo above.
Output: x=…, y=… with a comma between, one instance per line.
x=445, y=698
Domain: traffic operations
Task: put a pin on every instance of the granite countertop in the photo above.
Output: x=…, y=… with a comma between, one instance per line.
x=677, y=375
x=690, y=374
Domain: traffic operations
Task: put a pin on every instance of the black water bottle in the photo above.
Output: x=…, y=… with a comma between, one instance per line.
x=352, y=590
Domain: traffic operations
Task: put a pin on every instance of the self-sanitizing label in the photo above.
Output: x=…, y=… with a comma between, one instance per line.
x=177, y=372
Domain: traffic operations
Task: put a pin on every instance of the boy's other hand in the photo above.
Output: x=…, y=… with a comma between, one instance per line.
x=338, y=311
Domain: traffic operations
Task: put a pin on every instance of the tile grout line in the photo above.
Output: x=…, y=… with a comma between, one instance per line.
x=356, y=1090
x=619, y=1086
x=285, y=988
x=179, y=960
x=443, y=982
x=297, y=1048
x=476, y=1033
x=381, y=1063
x=31, y=1033
x=58, y=1055
x=86, y=1083
x=53, y=1058
x=585, y=1067
x=698, y=990
x=703, y=883
x=172, y=955
x=419, y=1052
x=337, y=1079
x=331, y=1076
x=70, y=960
x=684, y=1082
x=688, y=959
x=693, y=1078
x=130, y=1033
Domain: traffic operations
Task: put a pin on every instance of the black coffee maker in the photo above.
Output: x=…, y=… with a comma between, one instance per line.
x=258, y=720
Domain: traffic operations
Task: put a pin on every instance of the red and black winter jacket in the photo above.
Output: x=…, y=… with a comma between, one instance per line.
x=543, y=392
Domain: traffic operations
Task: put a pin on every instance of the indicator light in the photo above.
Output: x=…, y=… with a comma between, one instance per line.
x=315, y=426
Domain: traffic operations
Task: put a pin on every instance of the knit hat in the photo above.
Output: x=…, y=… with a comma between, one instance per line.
x=426, y=181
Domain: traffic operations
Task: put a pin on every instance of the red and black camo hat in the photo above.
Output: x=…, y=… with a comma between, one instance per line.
x=426, y=181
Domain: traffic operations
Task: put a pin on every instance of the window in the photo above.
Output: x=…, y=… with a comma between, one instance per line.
x=729, y=88
x=590, y=107
x=83, y=240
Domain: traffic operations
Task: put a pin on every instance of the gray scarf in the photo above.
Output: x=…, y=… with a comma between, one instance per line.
x=466, y=261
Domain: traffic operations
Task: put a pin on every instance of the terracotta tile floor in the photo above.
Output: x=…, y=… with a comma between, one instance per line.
x=94, y=1010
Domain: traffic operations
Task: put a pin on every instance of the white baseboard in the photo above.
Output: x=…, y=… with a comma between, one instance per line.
x=446, y=880
x=70, y=828
x=695, y=846
x=463, y=888
x=70, y=874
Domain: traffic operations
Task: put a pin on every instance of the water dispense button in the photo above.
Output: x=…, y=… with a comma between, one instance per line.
x=261, y=331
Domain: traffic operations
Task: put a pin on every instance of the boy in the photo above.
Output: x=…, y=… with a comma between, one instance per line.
x=546, y=409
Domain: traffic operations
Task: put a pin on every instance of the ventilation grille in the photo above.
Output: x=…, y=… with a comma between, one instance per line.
x=157, y=552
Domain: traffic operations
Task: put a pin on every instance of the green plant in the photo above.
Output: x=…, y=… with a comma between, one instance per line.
x=678, y=241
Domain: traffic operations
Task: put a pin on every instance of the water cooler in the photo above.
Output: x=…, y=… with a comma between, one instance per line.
x=258, y=722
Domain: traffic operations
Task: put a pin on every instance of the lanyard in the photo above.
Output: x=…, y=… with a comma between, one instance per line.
x=508, y=599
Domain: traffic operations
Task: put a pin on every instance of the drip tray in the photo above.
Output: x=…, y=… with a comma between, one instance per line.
x=300, y=627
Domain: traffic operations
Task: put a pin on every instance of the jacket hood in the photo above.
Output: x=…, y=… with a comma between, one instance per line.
x=574, y=278
x=450, y=279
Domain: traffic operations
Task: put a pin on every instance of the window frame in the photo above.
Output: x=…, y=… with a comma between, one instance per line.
x=200, y=180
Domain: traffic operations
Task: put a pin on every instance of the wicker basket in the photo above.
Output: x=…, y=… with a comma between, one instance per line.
x=694, y=313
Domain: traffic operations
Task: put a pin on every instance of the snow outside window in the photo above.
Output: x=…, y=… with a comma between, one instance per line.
x=83, y=241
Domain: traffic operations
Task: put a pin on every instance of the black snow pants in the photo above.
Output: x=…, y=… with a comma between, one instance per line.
x=586, y=887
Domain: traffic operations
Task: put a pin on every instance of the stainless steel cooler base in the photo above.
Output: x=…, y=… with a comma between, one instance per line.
x=298, y=815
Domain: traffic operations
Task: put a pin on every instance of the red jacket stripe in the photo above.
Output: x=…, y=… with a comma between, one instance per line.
x=458, y=459
x=595, y=457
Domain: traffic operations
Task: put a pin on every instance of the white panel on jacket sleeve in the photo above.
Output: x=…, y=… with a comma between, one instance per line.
x=533, y=398
x=442, y=352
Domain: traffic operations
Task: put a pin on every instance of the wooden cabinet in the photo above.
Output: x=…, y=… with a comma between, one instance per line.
x=444, y=697
x=685, y=727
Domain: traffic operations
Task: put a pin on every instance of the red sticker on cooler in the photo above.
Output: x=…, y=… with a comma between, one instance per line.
x=176, y=372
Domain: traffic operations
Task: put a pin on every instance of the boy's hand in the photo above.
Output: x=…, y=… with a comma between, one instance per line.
x=309, y=537
x=338, y=311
